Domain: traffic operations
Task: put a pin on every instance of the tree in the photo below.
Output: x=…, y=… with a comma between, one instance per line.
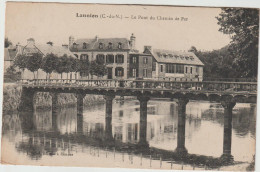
x=21, y=62
x=34, y=63
x=65, y=64
x=84, y=67
x=49, y=64
x=75, y=66
x=243, y=27
x=7, y=43
x=98, y=69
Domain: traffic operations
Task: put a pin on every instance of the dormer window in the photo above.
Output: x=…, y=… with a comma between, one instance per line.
x=100, y=45
x=110, y=45
x=84, y=45
x=74, y=45
x=120, y=45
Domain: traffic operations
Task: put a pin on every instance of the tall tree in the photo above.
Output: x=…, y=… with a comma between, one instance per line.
x=65, y=63
x=243, y=26
x=7, y=43
x=34, y=63
x=98, y=69
x=84, y=67
x=49, y=63
x=20, y=61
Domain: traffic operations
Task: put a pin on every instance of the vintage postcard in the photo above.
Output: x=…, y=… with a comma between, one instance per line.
x=130, y=86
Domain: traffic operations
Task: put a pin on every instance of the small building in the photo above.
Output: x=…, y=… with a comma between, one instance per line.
x=175, y=64
x=113, y=52
x=9, y=55
x=43, y=49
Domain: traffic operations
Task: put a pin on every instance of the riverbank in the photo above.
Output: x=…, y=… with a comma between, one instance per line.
x=42, y=100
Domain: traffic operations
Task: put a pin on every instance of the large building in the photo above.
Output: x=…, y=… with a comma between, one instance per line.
x=175, y=64
x=123, y=61
x=44, y=49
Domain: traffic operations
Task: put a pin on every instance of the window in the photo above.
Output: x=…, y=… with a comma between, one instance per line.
x=120, y=45
x=197, y=69
x=134, y=72
x=134, y=60
x=76, y=56
x=119, y=71
x=186, y=70
x=179, y=68
x=154, y=66
x=110, y=45
x=100, y=58
x=110, y=58
x=120, y=58
x=170, y=68
x=84, y=45
x=145, y=73
x=161, y=68
x=74, y=45
x=145, y=60
x=191, y=70
x=84, y=57
x=100, y=46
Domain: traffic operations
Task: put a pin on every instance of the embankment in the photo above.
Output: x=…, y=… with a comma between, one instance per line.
x=42, y=100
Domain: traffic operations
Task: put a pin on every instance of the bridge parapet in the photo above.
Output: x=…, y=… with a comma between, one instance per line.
x=215, y=86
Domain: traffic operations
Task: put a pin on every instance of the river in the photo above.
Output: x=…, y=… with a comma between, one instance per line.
x=68, y=139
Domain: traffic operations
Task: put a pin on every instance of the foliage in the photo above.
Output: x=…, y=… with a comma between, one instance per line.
x=21, y=61
x=11, y=70
x=217, y=63
x=84, y=67
x=34, y=62
x=49, y=63
x=7, y=43
x=97, y=69
x=243, y=27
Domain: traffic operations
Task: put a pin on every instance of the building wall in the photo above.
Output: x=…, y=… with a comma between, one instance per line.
x=92, y=57
x=143, y=66
x=197, y=72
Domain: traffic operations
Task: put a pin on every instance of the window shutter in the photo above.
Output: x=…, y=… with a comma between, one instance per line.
x=116, y=58
x=116, y=72
x=122, y=59
x=122, y=71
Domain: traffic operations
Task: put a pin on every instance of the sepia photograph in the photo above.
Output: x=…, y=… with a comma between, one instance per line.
x=130, y=86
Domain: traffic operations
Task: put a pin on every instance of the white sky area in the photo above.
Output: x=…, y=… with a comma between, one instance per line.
x=56, y=22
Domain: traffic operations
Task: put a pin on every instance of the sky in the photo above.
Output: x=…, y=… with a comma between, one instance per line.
x=57, y=21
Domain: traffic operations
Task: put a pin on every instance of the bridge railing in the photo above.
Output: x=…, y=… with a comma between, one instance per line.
x=147, y=84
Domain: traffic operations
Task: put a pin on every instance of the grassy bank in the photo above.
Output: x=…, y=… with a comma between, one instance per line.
x=42, y=100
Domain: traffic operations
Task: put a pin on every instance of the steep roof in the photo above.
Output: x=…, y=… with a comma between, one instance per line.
x=57, y=50
x=48, y=49
x=10, y=53
x=93, y=44
x=180, y=57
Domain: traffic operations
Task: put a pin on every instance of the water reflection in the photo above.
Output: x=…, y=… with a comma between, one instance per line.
x=65, y=131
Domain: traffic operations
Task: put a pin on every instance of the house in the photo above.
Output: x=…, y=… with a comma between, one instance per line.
x=43, y=49
x=114, y=52
x=175, y=64
x=9, y=55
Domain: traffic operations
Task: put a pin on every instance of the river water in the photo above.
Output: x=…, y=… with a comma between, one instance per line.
x=67, y=139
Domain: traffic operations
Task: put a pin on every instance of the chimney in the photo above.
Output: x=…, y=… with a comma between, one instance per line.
x=71, y=40
x=132, y=41
x=147, y=49
x=96, y=38
x=19, y=48
x=50, y=43
x=66, y=46
x=30, y=42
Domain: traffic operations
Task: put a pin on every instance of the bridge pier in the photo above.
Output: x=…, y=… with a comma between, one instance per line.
x=79, y=123
x=143, y=121
x=27, y=97
x=54, y=105
x=80, y=97
x=228, y=107
x=182, y=102
x=108, y=129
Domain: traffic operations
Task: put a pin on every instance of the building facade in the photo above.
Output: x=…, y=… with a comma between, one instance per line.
x=175, y=64
x=114, y=52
